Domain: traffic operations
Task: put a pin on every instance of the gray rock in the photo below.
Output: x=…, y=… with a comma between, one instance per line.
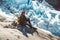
x=54, y=3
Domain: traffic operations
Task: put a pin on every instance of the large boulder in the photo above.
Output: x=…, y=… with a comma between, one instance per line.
x=54, y=3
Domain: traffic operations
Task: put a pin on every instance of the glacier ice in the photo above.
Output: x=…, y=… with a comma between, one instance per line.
x=41, y=15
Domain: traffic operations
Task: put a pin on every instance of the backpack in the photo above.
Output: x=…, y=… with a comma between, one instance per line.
x=18, y=20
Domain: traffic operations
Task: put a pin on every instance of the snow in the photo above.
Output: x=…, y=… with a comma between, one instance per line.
x=14, y=34
x=7, y=17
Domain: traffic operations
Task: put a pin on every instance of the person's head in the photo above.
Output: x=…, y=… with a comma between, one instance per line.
x=23, y=13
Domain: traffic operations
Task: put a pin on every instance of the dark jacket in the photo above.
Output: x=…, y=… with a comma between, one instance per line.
x=23, y=20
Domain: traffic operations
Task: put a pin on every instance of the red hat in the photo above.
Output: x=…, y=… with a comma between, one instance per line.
x=23, y=12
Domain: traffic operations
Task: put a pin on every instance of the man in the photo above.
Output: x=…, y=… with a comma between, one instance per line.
x=23, y=21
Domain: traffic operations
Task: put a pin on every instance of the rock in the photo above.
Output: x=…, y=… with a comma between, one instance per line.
x=38, y=0
x=54, y=3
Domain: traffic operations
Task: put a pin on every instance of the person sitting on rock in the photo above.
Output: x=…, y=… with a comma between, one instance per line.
x=23, y=21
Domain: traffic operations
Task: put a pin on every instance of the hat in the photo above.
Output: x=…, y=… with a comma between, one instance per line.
x=23, y=12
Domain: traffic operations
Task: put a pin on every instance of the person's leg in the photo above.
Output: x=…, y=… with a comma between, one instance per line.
x=31, y=27
x=29, y=24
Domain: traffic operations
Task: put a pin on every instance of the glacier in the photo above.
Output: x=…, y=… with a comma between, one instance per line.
x=42, y=14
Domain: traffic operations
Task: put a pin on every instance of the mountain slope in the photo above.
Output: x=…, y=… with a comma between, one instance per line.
x=14, y=34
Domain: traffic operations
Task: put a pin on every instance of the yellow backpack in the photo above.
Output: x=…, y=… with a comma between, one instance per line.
x=18, y=20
